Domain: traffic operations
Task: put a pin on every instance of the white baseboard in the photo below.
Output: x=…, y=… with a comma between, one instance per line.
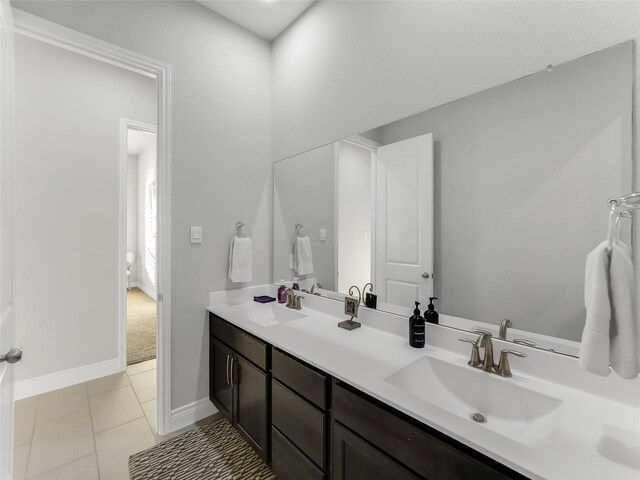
x=65, y=378
x=145, y=289
x=189, y=414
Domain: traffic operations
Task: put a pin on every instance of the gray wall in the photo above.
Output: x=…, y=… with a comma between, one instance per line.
x=346, y=67
x=67, y=124
x=221, y=143
x=304, y=193
x=522, y=176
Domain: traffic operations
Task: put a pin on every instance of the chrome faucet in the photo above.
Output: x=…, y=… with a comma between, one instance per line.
x=487, y=363
x=506, y=323
x=484, y=341
x=313, y=287
x=293, y=300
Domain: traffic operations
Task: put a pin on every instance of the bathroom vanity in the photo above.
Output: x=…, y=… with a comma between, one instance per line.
x=322, y=427
x=317, y=401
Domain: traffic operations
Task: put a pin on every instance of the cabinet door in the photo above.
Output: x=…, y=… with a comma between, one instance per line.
x=251, y=385
x=220, y=386
x=356, y=459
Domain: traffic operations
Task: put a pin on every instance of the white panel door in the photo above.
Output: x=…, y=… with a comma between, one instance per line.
x=404, y=221
x=7, y=320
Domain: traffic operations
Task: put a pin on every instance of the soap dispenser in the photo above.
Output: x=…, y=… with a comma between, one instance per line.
x=416, y=329
x=431, y=316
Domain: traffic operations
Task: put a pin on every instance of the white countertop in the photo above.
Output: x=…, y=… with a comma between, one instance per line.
x=587, y=437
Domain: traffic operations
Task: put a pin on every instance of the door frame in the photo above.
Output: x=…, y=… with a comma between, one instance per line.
x=67, y=38
x=7, y=305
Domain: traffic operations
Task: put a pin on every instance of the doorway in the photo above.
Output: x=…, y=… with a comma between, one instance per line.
x=141, y=244
x=355, y=206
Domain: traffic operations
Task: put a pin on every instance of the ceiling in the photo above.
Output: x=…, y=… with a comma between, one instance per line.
x=266, y=18
x=138, y=140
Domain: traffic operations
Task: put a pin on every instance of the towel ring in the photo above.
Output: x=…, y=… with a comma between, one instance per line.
x=299, y=232
x=619, y=216
x=239, y=233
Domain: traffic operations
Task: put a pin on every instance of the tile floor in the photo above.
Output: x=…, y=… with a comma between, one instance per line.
x=87, y=431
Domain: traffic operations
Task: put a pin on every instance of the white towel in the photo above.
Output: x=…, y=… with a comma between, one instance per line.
x=303, y=256
x=594, y=348
x=240, y=259
x=624, y=330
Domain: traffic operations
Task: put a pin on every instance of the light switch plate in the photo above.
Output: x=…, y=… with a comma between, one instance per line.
x=323, y=234
x=196, y=234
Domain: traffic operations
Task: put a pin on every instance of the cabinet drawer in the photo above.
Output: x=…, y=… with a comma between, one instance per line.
x=304, y=380
x=302, y=423
x=288, y=463
x=243, y=343
x=422, y=452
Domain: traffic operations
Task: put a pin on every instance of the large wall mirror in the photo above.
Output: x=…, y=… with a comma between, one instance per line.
x=490, y=203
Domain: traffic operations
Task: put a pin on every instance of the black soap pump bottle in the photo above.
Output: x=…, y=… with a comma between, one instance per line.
x=416, y=329
x=431, y=316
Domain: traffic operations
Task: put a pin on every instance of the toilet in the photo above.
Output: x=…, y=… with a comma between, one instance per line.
x=130, y=257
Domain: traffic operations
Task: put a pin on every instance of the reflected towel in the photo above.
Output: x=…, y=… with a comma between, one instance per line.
x=624, y=330
x=240, y=259
x=303, y=256
x=594, y=348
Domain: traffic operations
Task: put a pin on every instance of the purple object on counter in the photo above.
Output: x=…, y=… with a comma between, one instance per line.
x=264, y=299
x=282, y=294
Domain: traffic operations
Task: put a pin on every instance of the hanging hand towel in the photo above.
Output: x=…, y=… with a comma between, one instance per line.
x=240, y=259
x=624, y=330
x=303, y=256
x=594, y=348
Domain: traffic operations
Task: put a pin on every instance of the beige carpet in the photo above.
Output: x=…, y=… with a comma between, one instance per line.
x=215, y=451
x=141, y=327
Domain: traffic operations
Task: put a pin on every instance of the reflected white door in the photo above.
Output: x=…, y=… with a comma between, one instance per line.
x=7, y=319
x=404, y=221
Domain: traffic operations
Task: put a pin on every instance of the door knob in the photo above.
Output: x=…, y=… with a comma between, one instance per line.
x=12, y=356
x=425, y=275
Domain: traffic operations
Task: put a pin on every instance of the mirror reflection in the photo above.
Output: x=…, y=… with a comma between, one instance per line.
x=490, y=203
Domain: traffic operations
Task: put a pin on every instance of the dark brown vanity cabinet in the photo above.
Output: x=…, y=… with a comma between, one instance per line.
x=299, y=419
x=310, y=426
x=239, y=381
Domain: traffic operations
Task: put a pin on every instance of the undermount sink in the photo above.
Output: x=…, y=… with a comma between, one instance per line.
x=508, y=408
x=265, y=314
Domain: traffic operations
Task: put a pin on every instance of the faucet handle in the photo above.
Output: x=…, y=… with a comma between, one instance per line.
x=297, y=302
x=474, y=361
x=513, y=352
x=503, y=368
x=480, y=331
x=522, y=341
